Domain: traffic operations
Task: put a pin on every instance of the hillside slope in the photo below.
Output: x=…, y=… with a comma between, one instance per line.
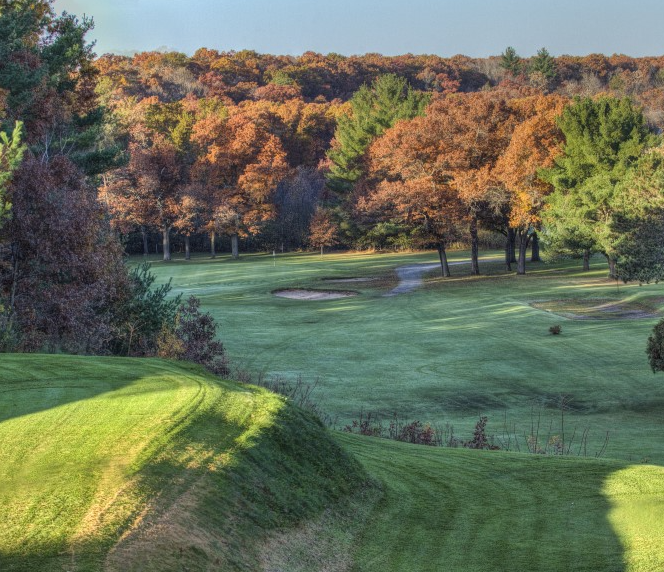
x=121, y=465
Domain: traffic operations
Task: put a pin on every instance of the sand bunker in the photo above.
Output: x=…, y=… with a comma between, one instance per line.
x=596, y=309
x=298, y=294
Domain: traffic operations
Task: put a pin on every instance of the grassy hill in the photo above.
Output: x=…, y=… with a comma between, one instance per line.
x=128, y=465
x=125, y=464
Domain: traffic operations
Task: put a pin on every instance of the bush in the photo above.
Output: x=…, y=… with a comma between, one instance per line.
x=140, y=319
x=479, y=440
x=655, y=348
x=193, y=338
x=555, y=330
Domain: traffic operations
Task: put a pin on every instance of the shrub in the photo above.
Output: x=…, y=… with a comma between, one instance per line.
x=555, y=330
x=193, y=338
x=140, y=319
x=479, y=440
x=655, y=349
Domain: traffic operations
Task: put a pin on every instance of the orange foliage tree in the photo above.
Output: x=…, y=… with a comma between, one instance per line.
x=322, y=230
x=534, y=145
x=410, y=181
x=238, y=170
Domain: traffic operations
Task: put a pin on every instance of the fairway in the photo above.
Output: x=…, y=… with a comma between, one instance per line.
x=450, y=350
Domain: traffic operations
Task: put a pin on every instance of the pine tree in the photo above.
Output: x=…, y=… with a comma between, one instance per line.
x=544, y=64
x=374, y=109
x=511, y=61
x=11, y=154
x=604, y=138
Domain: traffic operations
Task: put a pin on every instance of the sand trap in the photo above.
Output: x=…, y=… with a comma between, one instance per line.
x=297, y=294
x=596, y=309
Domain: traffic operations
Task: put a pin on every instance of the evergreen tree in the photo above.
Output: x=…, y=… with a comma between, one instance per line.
x=11, y=154
x=511, y=61
x=48, y=77
x=374, y=109
x=544, y=64
x=638, y=222
x=604, y=138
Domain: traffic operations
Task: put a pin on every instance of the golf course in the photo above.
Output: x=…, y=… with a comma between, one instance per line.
x=450, y=350
x=148, y=464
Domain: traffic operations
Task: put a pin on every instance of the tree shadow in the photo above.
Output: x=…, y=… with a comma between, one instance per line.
x=60, y=379
x=449, y=509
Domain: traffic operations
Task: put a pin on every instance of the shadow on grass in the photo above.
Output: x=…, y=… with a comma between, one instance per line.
x=32, y=383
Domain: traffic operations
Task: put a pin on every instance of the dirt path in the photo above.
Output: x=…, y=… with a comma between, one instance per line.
x=410, y=277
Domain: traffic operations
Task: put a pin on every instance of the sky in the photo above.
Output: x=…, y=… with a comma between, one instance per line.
x=476, y=28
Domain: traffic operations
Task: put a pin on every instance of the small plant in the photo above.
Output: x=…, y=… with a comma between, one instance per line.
x=555, y=330
x=480, y=440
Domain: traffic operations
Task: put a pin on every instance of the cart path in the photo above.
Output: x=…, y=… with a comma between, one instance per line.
x=410, y=276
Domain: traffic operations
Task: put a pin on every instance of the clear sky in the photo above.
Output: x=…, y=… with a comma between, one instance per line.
x=445, y=27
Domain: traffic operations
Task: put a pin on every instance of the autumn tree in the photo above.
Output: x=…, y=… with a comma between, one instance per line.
x=323, y=231
x=603, y=139
x=66, y=271
x=374, y=109
x=151, y=190
x=295, y=201
x=476, y=129
x=61, y=270
x=533, y=145
x=410, y=182
x=240, y=168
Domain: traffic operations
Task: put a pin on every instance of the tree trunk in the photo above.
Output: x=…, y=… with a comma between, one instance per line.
x=612, y=266
x=512, y=237
x=213, y=251
x=145, y=241
x=187, y=251
x=586, y=259
x=535, y=252
x=444, y=266
x=321, y=251
x=508, y=252
x=523, y=240
x=474, y=248
x=167, y=243
x=235, y=251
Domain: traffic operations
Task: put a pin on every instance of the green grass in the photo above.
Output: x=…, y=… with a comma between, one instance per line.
x=135, y=465
x=128, y=465
x=450, y=351
x=463, y=511
x=147, y=465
